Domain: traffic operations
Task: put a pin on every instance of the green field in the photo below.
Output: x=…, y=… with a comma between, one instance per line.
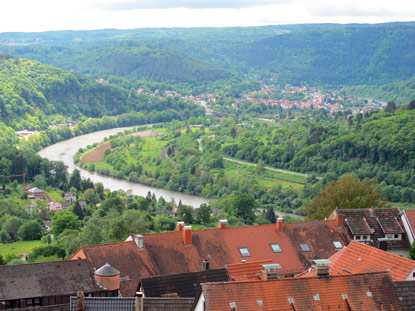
x=18, y=247
x=267, y=177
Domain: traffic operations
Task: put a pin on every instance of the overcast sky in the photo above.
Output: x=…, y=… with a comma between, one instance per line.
x=42, y=15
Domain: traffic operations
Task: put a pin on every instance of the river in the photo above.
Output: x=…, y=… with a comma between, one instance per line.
x=64, y=151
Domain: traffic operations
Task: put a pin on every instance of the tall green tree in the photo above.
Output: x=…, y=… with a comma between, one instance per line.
x=243, y=206
x=349, y=192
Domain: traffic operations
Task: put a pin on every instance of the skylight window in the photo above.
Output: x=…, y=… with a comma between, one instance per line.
x=305, y=247
x=276, y=248
x=338, y=244
x=244, y=252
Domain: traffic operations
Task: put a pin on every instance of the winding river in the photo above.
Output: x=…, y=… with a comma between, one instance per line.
x=64, y=151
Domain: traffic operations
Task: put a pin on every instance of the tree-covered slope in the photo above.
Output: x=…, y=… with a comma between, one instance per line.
x=30, y=88
x=33, y=95
x=400, y=92
x=128, y=59
x=348, y=55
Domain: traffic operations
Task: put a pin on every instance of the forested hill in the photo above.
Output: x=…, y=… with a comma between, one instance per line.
x=34, y=95
x=330, y=55
x=132, y=60
x=29, y=88
x=398, y=92
x=348, y=55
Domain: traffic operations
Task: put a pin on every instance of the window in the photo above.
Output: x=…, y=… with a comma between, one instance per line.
x=357, y=237
x=276, y=248
x=389, y=236
x=305, y=247
x=244, y=252
x=337, y=244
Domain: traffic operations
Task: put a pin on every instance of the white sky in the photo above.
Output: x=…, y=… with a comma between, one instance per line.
x=43, y=15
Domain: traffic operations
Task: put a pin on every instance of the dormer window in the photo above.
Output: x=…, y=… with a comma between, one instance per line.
x=244, y=251
x=305, y=247
x=276, y=248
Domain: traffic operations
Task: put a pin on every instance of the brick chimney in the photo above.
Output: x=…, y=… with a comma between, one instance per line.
x=223, y=223
x=80, y=301
x=340, y=220
x=187, y=235
x=180, y=225
x=321, y=267
x=279, y=224
x=139, y=241
x=270, y=271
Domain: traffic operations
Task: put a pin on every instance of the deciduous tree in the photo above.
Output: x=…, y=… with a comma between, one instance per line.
x=349, y=192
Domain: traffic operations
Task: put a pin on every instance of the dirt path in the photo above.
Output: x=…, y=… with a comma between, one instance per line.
x=267, y=167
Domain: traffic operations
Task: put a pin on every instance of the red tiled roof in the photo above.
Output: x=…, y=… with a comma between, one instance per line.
x=410, y=216
x=246, y=271
x=165, y=253
x=361, y=258
x=372, y=291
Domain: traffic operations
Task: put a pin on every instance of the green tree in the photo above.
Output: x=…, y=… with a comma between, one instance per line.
x=75, y=180
x=270, y=215
x=4, y=237
x=46, y=251
x=64, y=220
x=411, y=105
x=203, y=213
x=349, y=192
x=13, y=224
x=31, y=230
x=243, y=206
x=412, y=251
x=390, y=107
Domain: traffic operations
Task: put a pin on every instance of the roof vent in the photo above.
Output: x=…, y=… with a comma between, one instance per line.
x=369, y=294
x=344, y=296
x=232, y=304
x=205, y=264
x=290, y=300
x=270, y=271
x=316, y=297
x=260, y=303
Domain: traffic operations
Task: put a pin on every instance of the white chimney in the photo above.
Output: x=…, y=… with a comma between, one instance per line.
x=139, y=241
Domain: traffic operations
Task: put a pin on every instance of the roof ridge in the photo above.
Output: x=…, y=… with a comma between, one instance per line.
x=300, y=278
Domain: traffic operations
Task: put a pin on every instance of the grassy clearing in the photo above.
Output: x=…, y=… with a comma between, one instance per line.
x=267, y=177
x=403, y=205
x=18, y=247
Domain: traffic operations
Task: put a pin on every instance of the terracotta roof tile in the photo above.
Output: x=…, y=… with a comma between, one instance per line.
x=410, y=216
x=360, y=258
x=165, y=253
x=373, y=291
x=382, y=220
x=247, y=271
